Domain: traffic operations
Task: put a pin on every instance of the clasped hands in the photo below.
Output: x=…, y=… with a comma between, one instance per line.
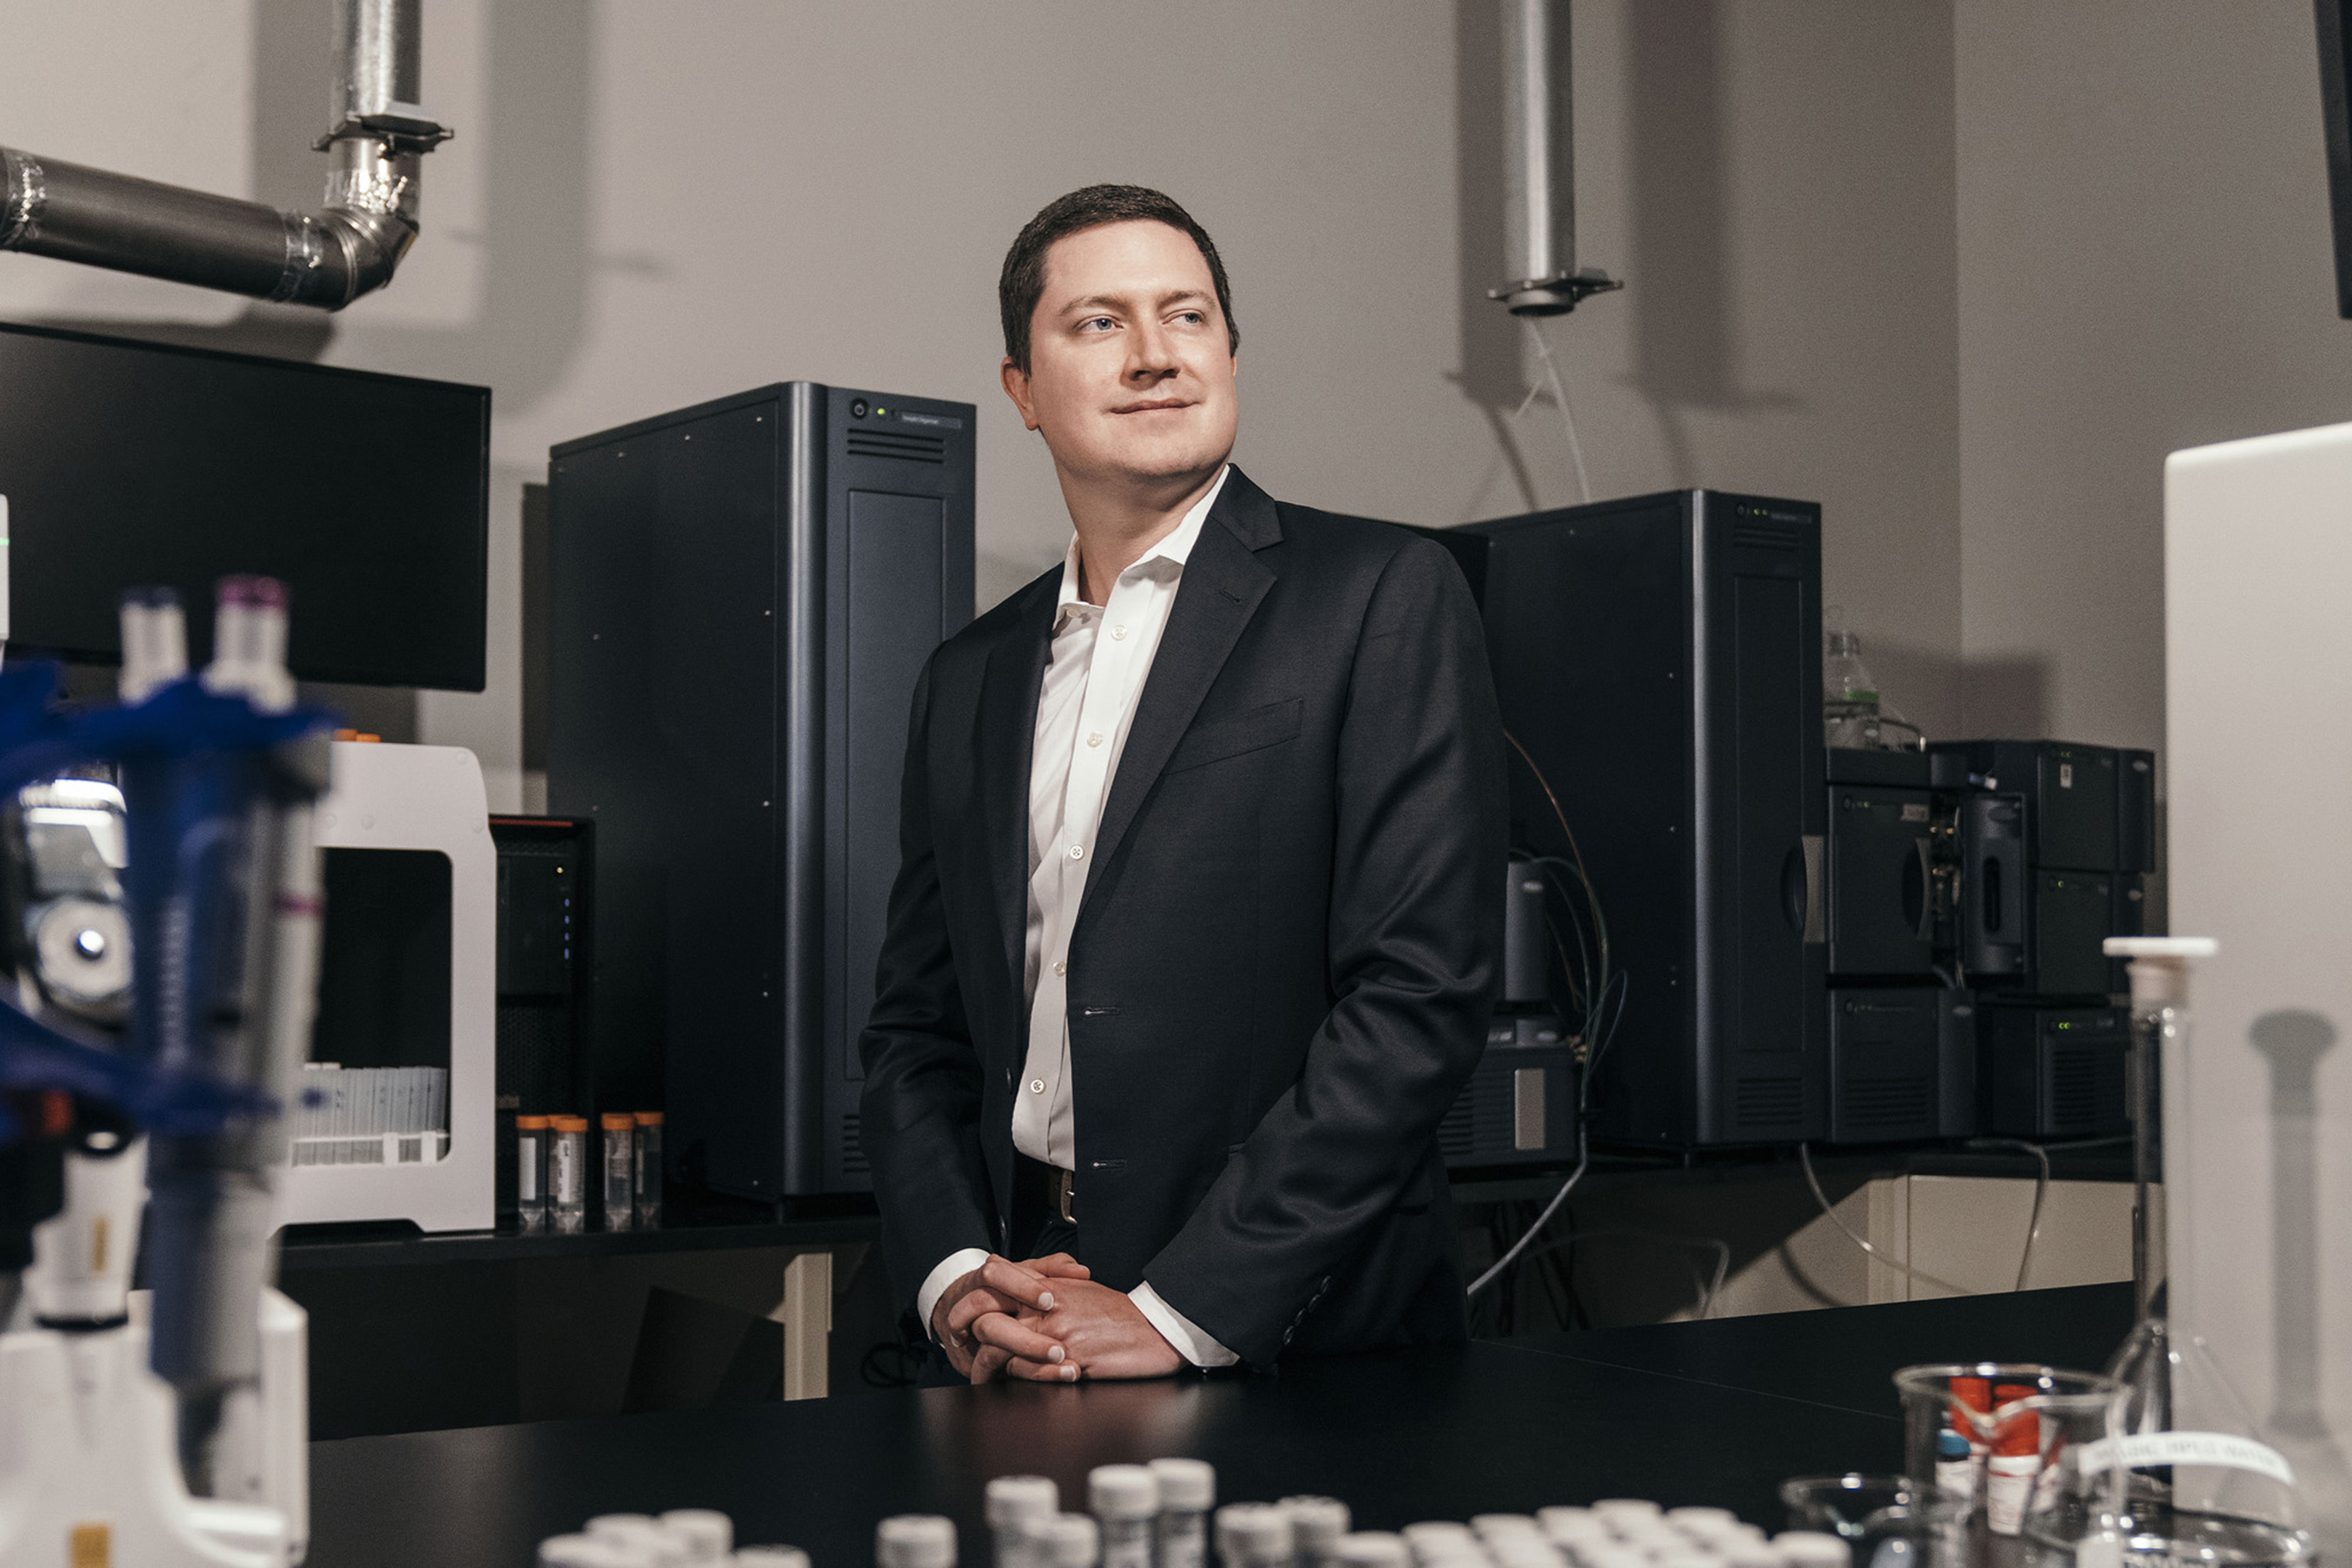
x=1046, y=1320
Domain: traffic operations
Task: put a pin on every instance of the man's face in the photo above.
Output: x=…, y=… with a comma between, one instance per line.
x=1130, y=374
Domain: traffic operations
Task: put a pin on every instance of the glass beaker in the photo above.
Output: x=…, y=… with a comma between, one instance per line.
x=1888, y=1521
x=2036, y=1481
x=2201, y=1483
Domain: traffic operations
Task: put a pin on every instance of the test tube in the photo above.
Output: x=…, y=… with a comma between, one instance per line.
x=649, y=1169
x=618, y=1161
x=915, y=1541
x=531, y=1172
x=1125, y=1499
x=1188, y=1489
x=567, y=1173
x=1014, y=1504
x=1315, y=1525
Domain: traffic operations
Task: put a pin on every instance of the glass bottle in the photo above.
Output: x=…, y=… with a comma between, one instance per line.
x=2202, y=1483
x=1854, y=714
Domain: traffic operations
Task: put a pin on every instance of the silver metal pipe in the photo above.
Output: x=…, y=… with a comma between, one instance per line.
x=327, y=258
x=1540, y=167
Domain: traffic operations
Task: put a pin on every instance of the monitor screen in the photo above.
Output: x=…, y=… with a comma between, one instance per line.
x=129, y=464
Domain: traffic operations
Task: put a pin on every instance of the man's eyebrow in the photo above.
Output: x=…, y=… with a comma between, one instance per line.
x=1114, y=303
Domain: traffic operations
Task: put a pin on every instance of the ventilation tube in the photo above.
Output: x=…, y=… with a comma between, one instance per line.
x=327, y=258
x=1540, y=169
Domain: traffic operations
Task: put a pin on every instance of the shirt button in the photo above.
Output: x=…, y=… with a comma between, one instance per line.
x=1077, y=851
x=1118, y=633
x=1096, y=739
x=1062, y=968
x=1036, y=1086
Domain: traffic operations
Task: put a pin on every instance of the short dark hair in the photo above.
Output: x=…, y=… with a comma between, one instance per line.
x=1022, y=282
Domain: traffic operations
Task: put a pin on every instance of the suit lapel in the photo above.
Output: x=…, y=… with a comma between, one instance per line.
x=1223, y=580
x=1008, y=723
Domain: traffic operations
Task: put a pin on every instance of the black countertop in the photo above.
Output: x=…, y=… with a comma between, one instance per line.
x=1690, y=1413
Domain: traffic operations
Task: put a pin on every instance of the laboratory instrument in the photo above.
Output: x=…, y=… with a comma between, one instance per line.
x=167, y=1427
x=2202, y=1482
x=816, y=543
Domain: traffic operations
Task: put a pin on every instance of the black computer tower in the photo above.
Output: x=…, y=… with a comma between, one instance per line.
x=1902, y=1064
x=741, y=594
x=2052, y=1072
x=1659, y=660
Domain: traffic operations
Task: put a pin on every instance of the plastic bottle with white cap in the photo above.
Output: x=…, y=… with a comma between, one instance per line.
x=1254, y=1535
x=639, y=1537
x=1522, y=1549
x=1014, y=1504
x=1188, y=1490
x=768, y=1557
x=1315, y=1525
x=1125, y=1501
x=1813, y=1548
x=1701, y=1524
x=915, y=1541
x=707, y=1534
x=1434, y=1538
x=1066, y=1541
x=1372, y=1549
x=1617, y=1513
x=580, y=1551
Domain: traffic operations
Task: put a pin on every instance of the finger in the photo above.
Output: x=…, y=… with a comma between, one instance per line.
x=974, y=1304
x=958, y=1356
x=989, y=1361
x=1020, y=1338
x=1059, y=1266
x=1011, y=1281
x=1042, y=1371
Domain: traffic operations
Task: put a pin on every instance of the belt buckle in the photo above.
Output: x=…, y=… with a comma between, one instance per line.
x=1064, y=1183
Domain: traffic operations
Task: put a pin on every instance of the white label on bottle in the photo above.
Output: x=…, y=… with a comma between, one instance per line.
x=2009, y=1486
x=2143, y=1449
x=1128, y=1549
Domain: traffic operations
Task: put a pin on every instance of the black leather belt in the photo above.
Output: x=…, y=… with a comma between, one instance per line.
x=1048, y=1187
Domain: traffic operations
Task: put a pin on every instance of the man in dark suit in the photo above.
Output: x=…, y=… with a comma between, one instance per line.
x=1195, y=934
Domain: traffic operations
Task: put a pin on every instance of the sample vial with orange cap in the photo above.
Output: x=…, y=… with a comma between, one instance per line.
x=620, y=1167
x=567, y=1173
x=531, y=1170
x=649, y=1169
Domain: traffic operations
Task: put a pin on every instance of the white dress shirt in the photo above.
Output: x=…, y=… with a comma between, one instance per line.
x=1100, y=657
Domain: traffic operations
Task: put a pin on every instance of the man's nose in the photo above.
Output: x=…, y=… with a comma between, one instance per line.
x=1151, y=354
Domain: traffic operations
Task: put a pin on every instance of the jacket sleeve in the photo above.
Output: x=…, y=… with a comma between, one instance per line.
x=1416, y=927
x=919, y=1116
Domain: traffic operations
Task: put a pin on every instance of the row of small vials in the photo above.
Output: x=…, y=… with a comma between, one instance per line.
x=682, y=1538
x=1165, y=1515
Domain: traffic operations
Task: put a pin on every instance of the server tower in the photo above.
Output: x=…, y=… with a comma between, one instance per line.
x=741, y=594
x=1659, y=660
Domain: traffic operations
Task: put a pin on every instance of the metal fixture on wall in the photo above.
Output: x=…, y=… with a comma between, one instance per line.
x=1540, y=169
x=327, y=259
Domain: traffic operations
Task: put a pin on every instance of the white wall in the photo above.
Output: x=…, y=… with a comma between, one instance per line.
x=650, y=203
x=2144, y=265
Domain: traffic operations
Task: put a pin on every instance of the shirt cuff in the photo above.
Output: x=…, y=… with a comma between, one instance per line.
x=1180, y=1331
x=952, y=1268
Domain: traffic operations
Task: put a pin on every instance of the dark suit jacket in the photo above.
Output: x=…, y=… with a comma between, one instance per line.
x=1280, y=976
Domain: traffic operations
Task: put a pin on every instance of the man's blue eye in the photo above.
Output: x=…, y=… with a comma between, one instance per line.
x=1093, y=322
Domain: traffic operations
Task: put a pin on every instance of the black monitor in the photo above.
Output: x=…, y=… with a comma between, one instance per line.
x=139, y=464
x=2336, y=110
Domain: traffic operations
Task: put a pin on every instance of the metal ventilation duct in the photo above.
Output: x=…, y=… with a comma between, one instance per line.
x=1539, y=168
x=327, y=258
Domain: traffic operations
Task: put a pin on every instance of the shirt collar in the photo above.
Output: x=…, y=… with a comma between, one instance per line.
x=1175, y=549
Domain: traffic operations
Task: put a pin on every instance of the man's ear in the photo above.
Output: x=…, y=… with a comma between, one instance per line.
x=1017, y=387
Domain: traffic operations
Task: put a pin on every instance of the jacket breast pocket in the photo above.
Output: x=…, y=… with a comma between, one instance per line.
x=1252, y=731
